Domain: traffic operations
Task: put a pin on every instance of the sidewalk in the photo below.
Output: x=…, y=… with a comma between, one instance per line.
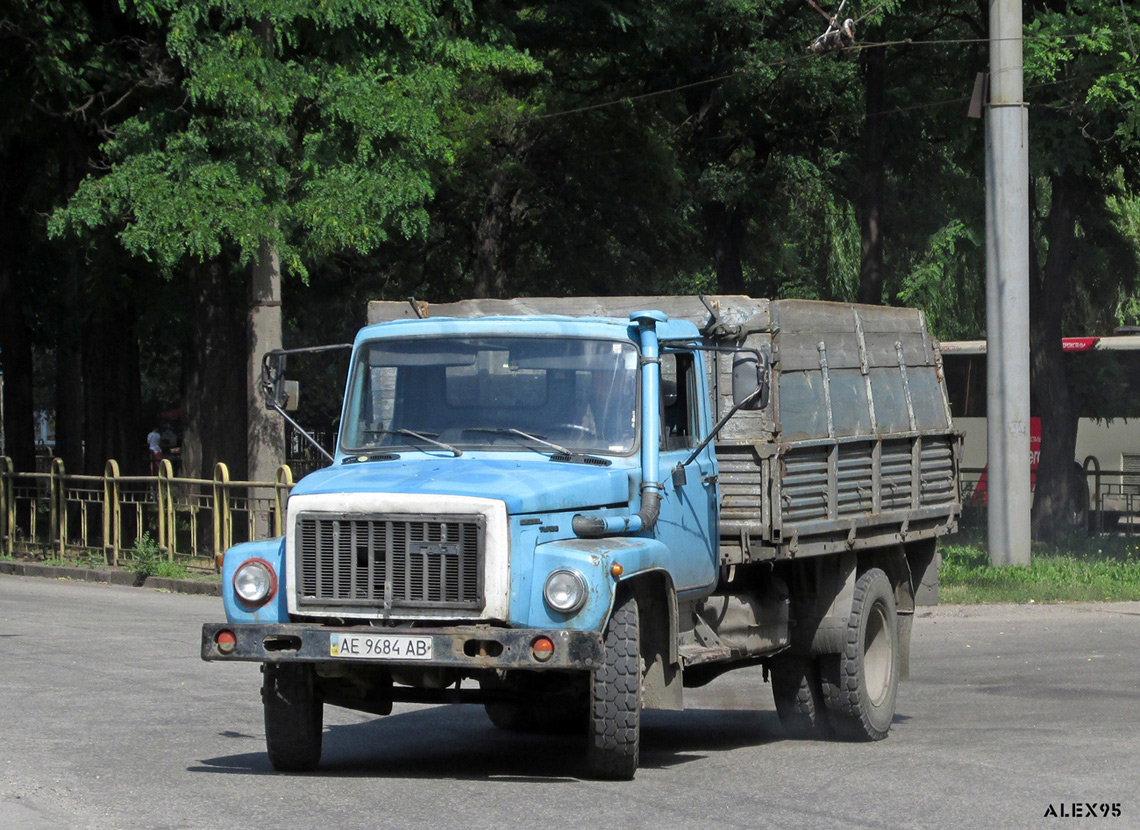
x=113, y=576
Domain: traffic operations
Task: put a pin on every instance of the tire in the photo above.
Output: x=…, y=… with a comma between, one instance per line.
x=294, y=717
x=798, y=694
x=615, y=698
x=860, y=685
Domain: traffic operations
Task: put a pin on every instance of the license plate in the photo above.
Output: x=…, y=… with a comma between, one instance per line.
x=380, y=646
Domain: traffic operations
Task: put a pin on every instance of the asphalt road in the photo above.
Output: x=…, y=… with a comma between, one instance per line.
x=109, y=719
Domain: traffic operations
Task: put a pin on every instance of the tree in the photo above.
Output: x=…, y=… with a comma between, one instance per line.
x=298, y=130
x=1085, y=149
x=65, y=81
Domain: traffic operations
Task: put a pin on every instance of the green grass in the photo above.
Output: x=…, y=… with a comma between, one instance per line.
x=143, y=559
x=1081, y=569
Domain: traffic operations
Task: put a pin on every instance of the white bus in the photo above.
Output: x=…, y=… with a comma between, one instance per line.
x=1104, y=374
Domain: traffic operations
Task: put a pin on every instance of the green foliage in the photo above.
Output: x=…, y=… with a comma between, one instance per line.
x=145, y=556
x=94, y=559
x=317, y=127
x=943, y=282
x=1079, y=59
x=394, y=148
x=147, y=559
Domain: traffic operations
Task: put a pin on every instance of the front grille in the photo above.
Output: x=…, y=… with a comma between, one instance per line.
x=390, y=562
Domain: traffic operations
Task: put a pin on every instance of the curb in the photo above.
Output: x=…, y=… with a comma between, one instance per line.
x=112, y=576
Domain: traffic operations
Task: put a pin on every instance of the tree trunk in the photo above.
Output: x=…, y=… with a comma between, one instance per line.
x=16, y=357
x=69, y=438
x=266, y=438
x=1054, y=499
x=725, y=228
x=489, y=241
x=214, y=384
x=112, y=397
x=871, y=276
x=69, y=373
x=492, y=243
x=16, y=397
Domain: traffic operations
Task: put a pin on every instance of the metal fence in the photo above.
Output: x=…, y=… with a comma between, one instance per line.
x=1112, y=506
x=102, y=518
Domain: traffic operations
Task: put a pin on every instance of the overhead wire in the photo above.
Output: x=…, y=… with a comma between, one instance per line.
x=629, y=99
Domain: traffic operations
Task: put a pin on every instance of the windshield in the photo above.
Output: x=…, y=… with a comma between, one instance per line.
x=509, y=393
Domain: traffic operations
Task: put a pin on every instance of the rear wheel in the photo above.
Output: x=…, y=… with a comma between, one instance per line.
x=615, y=698
x=798, y=694
x=294, y=716
x=860, y=684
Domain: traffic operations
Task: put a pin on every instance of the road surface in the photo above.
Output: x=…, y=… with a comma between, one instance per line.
x=109, y=719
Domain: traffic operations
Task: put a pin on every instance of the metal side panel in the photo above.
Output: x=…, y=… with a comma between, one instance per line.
x=841, y=492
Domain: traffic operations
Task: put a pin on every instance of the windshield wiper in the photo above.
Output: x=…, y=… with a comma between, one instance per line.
x=538, y=439
x=419, y=436
x=564, y=453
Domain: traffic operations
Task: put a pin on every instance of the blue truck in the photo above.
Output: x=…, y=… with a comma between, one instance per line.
x=570, y=510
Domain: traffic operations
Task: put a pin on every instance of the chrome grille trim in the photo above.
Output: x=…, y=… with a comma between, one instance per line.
x=389, y=561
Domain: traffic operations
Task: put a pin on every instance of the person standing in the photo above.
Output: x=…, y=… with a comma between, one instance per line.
x=154, y=444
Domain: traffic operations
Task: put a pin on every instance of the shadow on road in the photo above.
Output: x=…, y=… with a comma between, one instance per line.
x=458, y=742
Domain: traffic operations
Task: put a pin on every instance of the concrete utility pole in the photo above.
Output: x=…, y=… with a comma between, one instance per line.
x=1007, y=291
x=266, y=437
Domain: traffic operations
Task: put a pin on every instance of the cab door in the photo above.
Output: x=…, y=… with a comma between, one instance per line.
x=687, y=524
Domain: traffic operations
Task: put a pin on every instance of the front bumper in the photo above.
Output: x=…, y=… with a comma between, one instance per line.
x=470, y=646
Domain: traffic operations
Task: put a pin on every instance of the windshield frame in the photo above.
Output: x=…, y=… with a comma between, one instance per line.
x=470, y=437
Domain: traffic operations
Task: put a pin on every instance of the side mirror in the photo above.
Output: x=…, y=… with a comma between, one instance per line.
x=750, y=385
x=292, y=395
x=273, y=383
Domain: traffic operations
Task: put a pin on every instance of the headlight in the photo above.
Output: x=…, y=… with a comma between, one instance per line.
x=254, y=582
x=565, y=591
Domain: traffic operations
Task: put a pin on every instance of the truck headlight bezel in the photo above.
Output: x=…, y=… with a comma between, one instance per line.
x=254, y=582
x=565, y=591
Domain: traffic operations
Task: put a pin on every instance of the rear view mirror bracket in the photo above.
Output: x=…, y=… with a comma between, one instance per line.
x=281, y=394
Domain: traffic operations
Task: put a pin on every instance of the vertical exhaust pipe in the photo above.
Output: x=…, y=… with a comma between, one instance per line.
x=646, y=516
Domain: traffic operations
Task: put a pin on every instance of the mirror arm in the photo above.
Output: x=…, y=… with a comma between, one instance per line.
x=717, y=427
x=271, y=380
x=308, y=437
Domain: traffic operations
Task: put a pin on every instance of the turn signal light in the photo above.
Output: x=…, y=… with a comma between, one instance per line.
x=542, y=648
x=226, y=641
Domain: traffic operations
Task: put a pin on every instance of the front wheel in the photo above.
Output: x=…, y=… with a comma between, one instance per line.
x=615, y=698
x=861, y=683
x=294, y=717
